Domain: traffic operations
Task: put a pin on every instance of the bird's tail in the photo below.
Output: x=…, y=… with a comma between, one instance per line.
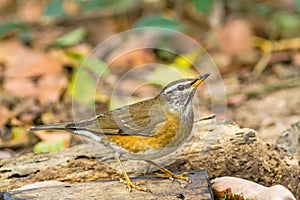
x=51, y=127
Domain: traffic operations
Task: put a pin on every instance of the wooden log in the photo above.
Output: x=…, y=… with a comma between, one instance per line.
x=198, y=188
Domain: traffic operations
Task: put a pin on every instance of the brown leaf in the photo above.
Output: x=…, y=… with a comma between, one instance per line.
x=5, y=115
x=132, y=59
x=31, y=10
x=23, y=62
x=54, y=136
x=235, y=37
x=71, y=7
x=50, y=87
x=21, y=87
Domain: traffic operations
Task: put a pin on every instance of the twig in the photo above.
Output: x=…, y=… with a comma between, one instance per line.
x=268, y=47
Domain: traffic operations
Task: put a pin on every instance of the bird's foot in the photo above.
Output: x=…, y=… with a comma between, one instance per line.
x=170, y=175
x=134, y=185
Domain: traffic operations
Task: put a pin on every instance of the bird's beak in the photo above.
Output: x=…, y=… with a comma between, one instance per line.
x=199, y=80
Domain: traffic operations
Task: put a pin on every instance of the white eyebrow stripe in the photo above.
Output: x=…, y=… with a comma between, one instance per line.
x=169, y=89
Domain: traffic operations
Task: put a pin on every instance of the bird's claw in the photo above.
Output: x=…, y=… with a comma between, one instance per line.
x=168, y=174
x=135, y=185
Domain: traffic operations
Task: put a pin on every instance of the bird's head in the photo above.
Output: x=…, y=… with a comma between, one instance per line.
x=178, y=94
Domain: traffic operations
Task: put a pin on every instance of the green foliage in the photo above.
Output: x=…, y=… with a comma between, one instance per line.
x=263, y=10
x=11, y=27
x=84, y=80
x=91, y=5
x=96, y=4
x=55, y=9
x=298, y=5
x=158, y=21
x=286, y=23
x=203, y=6
x=81, y=87
x=71, y=38
x=43, y=146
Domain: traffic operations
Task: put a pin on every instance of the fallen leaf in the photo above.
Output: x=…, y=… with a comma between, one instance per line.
x=23, y=62
x=235, y=37
x=132, y=59
x=71, y=7
x=31, y=10
x=50, y=87
x=54, y=136
x=20, y=87
x=5, y=115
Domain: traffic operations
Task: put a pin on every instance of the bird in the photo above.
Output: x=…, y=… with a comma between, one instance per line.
x=145, y=130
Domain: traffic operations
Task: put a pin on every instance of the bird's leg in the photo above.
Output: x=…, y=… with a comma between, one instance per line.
x=128, y=181
x=168, y=174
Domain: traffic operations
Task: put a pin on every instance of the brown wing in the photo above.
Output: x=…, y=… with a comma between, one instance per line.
x=142, y=119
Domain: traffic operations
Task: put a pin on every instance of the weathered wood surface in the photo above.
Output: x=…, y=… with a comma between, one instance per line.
x=198, y=188
x=222, y=148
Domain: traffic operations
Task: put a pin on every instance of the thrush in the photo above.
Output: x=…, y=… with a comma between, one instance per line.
x=145, y=130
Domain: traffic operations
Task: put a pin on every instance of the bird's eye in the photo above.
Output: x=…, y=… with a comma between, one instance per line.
x=180, y=87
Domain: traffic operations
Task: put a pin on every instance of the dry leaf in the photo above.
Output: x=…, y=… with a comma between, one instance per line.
x=133, y=59
x=54, y=136
x=22, y=62
x=71, y=7
x=21, y=87
x=50, y=87
x=31, y=10
x=235, y=37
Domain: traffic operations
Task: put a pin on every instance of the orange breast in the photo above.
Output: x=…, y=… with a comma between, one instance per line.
x=160, y=139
